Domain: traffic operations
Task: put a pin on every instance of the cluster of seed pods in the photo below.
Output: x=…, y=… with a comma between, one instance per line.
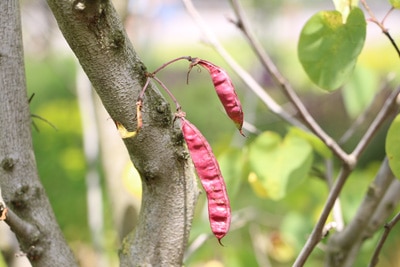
x=205, y=163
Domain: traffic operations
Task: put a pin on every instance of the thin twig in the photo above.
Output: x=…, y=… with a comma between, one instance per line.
x=141, y=94
x=189, y=58
x=385, y=111
x=388, y=227
x=269, y=65
x=392, y=42
x=178, y=106
x=243, y=75
x=152, y=76
x=43, y=119
x=381, y=24
x=387, y=14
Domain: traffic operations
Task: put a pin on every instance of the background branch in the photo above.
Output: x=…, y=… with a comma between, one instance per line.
x=342, y=243
x=39, y=235
x=316, y=234
x=388, y=108
x=318, y=230
x=388, y=227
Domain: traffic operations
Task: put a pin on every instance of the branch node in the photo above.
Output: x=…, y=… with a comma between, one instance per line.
x=7, y=163
x=351, y=161
x=34, y=253
x=21, y=197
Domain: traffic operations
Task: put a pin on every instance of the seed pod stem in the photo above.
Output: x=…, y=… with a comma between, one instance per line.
x=178, y=106
x=189, y=58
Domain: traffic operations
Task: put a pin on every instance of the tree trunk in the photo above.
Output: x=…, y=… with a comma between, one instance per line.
x=30, y=216
x=98, y=39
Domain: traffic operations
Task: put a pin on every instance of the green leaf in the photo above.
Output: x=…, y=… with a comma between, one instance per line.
x=314, y=141
x=231, y=163
x=359, y=92
x=395, y=3
x=279, y=165
x=393, y=146
x=328, y=49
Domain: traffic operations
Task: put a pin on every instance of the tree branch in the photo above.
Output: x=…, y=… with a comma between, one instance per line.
x=388, y=227
x=34, y=223
x=390, y=106
x=21, y=227
x=317, y=232
x=341, y=243
x=98, y=39
x=386, y=206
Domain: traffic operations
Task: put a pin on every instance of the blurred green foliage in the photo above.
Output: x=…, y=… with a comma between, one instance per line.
x=59, y=152
x=280, y=226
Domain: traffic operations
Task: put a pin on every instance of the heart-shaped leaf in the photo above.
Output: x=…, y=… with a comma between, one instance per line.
x=328, y=48
x=279, y=165
x=393, y=146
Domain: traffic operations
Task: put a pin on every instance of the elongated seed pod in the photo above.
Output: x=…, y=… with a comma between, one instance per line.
x=219, y=210
x=226, y=92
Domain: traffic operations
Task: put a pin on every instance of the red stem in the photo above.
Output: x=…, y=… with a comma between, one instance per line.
x=178, y=106
x=189, y=58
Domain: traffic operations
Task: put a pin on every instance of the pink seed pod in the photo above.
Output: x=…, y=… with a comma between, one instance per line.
x=225, y=90
x=208, y=170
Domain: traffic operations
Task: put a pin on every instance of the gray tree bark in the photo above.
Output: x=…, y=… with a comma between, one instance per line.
x=30, y=216
x=98, y=39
